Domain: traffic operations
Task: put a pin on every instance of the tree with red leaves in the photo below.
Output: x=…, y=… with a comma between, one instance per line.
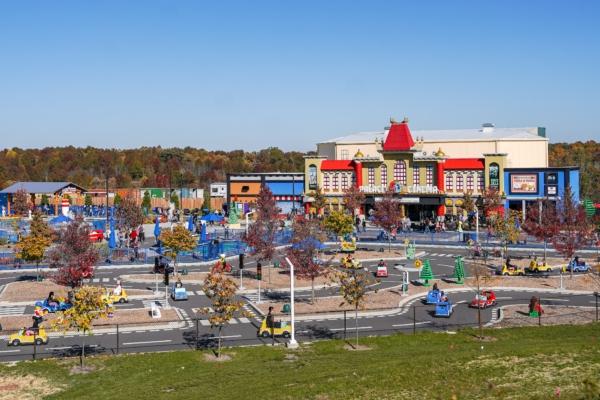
x=353, y=199
x=20, y=203
x=388, y=215
x=541, y=221
x=492, y=203
x=74, y=255
x=574, y=226
x=129, y=214
x=304, y=253
x=261, y=234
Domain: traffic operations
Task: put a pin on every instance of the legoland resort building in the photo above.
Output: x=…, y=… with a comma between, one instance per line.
x=429, y=171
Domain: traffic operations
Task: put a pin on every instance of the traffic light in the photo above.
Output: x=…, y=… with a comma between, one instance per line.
x=166, y=278
x=241, y=260
x=259, y=271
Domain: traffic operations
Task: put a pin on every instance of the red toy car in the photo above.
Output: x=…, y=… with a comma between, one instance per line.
x=97, y=235
x=382, y=271
x=486, y=299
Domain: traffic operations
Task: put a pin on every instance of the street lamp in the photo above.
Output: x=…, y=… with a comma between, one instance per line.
x=292, y=344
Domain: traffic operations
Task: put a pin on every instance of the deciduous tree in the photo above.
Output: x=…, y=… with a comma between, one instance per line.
x=575, y=228
x=338, y=223
x=261, y=234
x=541, y=221
x=220, y=291
x=88, y=305
x=129, y=214
x=32, y=248
x=319, y=202
x=20, y=202
x=388, y=215
x=304, y=252
x=353, y=199
x=74, y=255
x=177, y=240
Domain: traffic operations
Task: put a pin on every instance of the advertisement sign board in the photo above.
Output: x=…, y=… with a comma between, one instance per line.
x=524, y=183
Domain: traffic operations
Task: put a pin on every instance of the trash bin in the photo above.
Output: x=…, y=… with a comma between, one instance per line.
x=184, y=271
x=286, y=308
x=276, y=264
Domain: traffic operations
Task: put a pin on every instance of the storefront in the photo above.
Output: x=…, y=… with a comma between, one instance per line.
x=287, y=189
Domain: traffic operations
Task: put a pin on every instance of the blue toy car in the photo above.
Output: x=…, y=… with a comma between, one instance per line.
x=178, y=293
x=444, y=309
x=578, y=266
x=54, y=307
x=433, y=296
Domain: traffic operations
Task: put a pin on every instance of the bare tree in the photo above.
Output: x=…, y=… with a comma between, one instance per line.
x=388, y=215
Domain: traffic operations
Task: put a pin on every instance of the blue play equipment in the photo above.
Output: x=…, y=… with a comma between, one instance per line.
x=444, y=309
x=433, y=296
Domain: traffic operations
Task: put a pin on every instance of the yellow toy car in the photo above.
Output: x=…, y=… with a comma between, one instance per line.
x=534, y=266
x=348, y=246
x=28, y=336
x=512, y=270
x=281, y=328
x=111, y=298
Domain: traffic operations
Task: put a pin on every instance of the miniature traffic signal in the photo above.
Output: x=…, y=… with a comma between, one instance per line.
x=259, y=271
x=241, y=260
x=166, y=278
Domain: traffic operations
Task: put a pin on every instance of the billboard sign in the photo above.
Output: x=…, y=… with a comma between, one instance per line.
x=524, y=183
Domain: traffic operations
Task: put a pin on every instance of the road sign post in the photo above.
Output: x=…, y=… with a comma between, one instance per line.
x=117, y=338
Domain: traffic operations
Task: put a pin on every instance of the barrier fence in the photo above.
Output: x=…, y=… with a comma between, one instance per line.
x=196, y=334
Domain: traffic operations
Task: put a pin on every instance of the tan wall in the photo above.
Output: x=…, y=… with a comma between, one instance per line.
x=521, y=153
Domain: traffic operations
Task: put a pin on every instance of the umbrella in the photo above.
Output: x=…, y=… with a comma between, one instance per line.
x=157, y=228
x=112, y=238
x=203, y=233
x=191, y=226
x=309, y=242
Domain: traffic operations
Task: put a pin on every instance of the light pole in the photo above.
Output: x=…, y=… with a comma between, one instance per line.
x=477, y=225
x=292, y=344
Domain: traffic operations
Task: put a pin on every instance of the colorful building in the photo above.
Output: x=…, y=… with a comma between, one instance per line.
x=54, y=192
x=432, y=183
x=287, y=188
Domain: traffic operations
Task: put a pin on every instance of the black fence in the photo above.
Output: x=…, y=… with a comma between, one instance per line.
x=196, y=333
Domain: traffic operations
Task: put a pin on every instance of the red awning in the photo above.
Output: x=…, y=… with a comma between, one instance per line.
x=337, y=165
x=464, y=163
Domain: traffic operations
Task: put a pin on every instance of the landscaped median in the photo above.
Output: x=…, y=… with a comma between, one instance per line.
x=516, y=363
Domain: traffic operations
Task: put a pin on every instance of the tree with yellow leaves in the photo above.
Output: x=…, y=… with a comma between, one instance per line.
x=32, y=248
x=88, y=305
x=177, y=240
x=220, y=290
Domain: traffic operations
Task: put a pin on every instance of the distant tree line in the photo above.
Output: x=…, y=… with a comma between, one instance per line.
x=143, y=167
x=585, y=155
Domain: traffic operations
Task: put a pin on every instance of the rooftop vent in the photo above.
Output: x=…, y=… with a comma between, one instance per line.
x=487, y=127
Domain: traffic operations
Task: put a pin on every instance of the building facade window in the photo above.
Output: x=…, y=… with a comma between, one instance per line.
x=480, y=182
x=429, y=175
x=344, y=182
x=335, y=181
x=459, y=183
x=383, y=175
x=470, y=183
x=371, y=173
x=400, y=172
x=326, y=182
x=449, y=182
x=416, y=175
x=345, y=155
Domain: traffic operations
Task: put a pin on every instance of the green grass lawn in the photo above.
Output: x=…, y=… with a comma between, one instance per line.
x=519, y=363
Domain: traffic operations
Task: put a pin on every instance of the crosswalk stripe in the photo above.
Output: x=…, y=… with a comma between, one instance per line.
x=18, y=310
x=204, y=322
x=105, y=280
x=244, y=320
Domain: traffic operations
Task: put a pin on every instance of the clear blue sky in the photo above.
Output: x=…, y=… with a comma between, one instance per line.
x=252, y=74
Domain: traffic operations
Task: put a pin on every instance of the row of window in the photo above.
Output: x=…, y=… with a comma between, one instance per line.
x=456, y=182
x=332, y=181
x=400, y=174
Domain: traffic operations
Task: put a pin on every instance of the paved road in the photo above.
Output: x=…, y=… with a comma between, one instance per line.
x=242, y=330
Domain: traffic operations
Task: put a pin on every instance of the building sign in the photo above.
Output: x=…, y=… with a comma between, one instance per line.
x=397, y=188
x=312, y=177
x=494, y=176
x=409, y=200
x=551, y=184
x=524, y=183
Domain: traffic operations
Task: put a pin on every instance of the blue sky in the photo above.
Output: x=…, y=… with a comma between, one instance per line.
x=252, y=74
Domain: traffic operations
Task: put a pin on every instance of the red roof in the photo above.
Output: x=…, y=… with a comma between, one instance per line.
x=398, y=138
x=336, y=165
x=464, y=163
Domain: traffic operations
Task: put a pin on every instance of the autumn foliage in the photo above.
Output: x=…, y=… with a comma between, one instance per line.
x=261, y=234
x=74, y=255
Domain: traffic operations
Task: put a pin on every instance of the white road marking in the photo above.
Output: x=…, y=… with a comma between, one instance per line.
x=148, y=342
x=225, y=337
x=10, y=351
x=351, y=328
x=244, y=320
x=504, y=298
x=565, y=300
x=446, y=265
x=460, y=302
x=204, y=322
x=418, y=323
